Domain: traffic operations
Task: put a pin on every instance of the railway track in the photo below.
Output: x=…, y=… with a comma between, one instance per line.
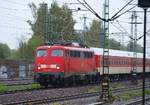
x=17, y=81
x=70, y=97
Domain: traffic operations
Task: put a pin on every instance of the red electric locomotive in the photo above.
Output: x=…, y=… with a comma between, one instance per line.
x=63, y=65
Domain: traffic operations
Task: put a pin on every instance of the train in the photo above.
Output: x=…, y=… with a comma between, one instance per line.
x=73, y=63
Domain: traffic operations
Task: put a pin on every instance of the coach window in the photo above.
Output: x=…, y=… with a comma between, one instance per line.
x=91, y=55
x=41, y=53
x=57, y=53
x=77, y=53
x=84, y=54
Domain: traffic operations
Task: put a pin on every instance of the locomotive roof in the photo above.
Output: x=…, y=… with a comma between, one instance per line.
x=99, y=51
x=66, y=47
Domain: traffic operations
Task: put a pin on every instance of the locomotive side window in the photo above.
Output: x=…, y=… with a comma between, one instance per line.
x=87, y=54
x=41, y=53
x=57, y=53
x=75, y=54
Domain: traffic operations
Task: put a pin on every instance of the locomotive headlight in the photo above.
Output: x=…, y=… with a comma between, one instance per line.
x=39, y=68
x=58, y=67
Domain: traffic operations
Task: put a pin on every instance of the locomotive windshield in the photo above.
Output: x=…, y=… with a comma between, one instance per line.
x=57, y=53
x=41, y=53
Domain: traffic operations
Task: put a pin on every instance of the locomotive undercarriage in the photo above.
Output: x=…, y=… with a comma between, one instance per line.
x=59, y=79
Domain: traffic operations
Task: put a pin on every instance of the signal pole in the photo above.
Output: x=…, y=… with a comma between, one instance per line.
x=105, y=73
x=145, y=4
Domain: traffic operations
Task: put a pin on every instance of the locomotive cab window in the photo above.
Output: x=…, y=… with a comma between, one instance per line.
x=41, y=53
x=57, y=53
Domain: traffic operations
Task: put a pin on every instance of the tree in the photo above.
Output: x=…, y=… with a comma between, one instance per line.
x=4, y=51
x=115, y=45
x=38, y=27
x=55, y=23
x=95, y=37
x=139, y=48
x=93, y=34
x=61, y=24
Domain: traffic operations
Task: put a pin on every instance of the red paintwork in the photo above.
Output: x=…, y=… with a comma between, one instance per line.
x=49, y=60
x=66, y=63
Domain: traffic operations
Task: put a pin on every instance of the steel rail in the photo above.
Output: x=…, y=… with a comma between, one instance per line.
x=72, y=97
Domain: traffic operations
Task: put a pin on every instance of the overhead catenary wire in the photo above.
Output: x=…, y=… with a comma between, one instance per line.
x=118, y=28
x=123, y=28
x=87, y=6
x=121, y=9
x=113, y=18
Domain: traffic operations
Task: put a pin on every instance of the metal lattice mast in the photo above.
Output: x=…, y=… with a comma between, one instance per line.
x=135, y=43
x=84, y=29
x=105, y=78
x=134, y=46
x=45, y=22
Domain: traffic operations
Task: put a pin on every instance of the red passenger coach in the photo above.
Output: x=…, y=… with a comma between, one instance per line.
x=59, y=64
x=122, y=63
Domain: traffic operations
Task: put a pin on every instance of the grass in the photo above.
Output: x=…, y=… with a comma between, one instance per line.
x=129, y=95
x=5, y=88
x=116, y=86
x=56, y=103
x=112, y=87
x=121, y=97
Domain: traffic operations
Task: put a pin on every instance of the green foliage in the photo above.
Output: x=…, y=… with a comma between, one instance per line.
x=139, y=48
x=31, y=47
x=115, y=45
x=93, y=34
x=4, y=51
x=35, y=86
x=95, y=37
x=3, y=87
x=39, y=26
x=61, y=24
x=130, y=95
x=51, y=24
x=147, y=92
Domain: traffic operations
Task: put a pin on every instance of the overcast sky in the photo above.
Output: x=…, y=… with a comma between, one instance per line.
x=15, y=13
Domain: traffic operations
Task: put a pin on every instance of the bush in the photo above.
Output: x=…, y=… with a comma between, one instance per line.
x=3, y=87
